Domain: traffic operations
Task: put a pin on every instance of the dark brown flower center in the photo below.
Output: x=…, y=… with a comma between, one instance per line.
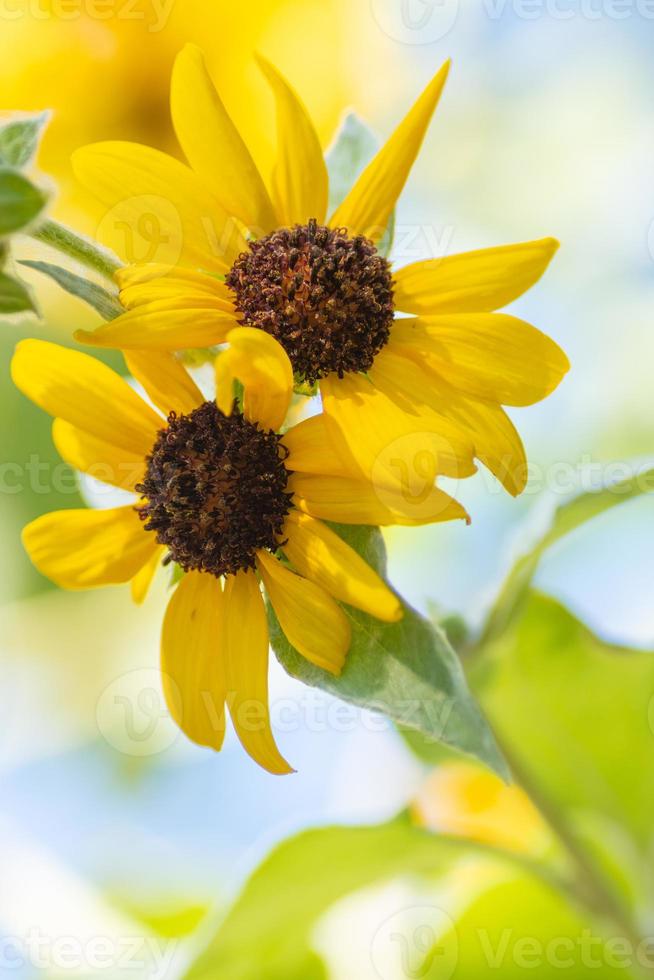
x=327, y=298
x=215, y=490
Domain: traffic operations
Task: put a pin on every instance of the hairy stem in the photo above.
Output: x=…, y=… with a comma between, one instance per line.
x=78, y=247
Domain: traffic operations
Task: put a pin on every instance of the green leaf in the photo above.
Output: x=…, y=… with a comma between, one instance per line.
x=19, y=139
x=565, y=519
x=21, y=202
x=15, y=297
x=106, y=304
x=406, y=670
x=83, y=250
x=353, y=148
x=266, y=934
x=578, y=714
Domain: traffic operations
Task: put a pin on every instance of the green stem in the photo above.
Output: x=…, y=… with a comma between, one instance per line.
x=82, y=249
x=591, y=889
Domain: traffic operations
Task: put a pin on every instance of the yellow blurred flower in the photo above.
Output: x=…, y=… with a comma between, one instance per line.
x=220, y=498
x=466, y=801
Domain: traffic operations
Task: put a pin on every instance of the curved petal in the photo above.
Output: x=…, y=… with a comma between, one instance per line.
x=387, y=441
x=473, y=282
x=166, y=381
x=142, y=581
x=300, y=181
x=86, y=393
x=310, y=449
x=81, y=549
x=497, y=443
x=262, y=366
x=491, y=356
x=320, y=555
x=246, y=647
x=312, y=621
x=367, y=208
x=101, y=460
x=213, y=145
x=178, y=287
x=192, y=661
x=193, y=324
x=158, y=209
x=414, y=501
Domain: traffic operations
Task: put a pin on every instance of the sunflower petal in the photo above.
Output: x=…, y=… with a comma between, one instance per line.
x=490, y=356
x=262, y=366
x=183, y=287
x=140, y=584
x=320, y=555
x=149, y=327
x=86, y=393
x=213, y=146
x=347, y=501
x=473, y=282
x=497, y=443
x=312, y=621
x=385, y=440
x=101, y=460
x=159, y=210
x=81, y=549
x=246, y=645
x=166, y=381
x=300, y=181
x=192, y=662
x=367, y=208
x=310, y=449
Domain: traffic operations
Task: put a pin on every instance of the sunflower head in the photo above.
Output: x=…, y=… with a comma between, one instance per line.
x=215, y=490
x=326, y=297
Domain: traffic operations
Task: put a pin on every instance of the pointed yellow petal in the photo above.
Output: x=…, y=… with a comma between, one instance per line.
x=202, y=290
x=369, y=205
x=413, y=501
x=142, y=581
x=86, y=393
x=497, y=444
x=213, y=145
x=310, y=450
x=490, y=356
x=246, y=646
x=300, y=182
x=262, y=366
x=100, y=459
x=473, y=282
x=81, y=549
x=387, y=441
x=319, y=554
x=158, y=210
x=155, y=274
x=149, y=327
x=192, y=661
x=312, y=621
x=166, y=381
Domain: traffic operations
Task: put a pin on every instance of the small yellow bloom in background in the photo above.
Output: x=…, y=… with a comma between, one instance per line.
x=221, y=493
x=466, y=801
x=217, y=243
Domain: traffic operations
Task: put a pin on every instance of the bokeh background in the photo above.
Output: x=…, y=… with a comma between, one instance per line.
x=109, y=821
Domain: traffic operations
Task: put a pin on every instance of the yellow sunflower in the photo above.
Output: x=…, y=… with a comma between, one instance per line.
x=235, y=504
x=213, y=243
